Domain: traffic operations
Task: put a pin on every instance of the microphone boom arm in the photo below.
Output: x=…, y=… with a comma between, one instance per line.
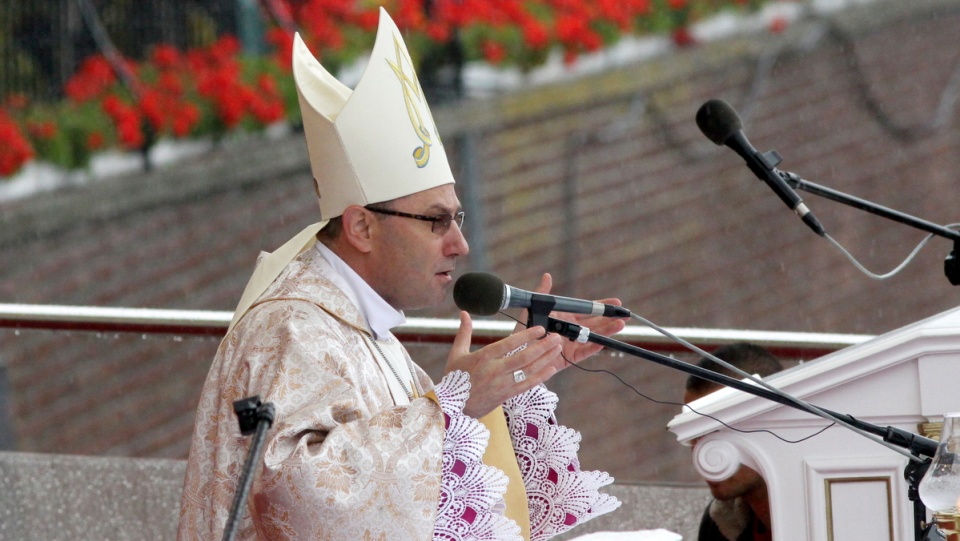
x=800, y=184
x=951, y=266
x=916, y=444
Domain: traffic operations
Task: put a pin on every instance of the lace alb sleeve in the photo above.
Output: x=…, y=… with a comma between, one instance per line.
x=471, y=494
x=560, y=495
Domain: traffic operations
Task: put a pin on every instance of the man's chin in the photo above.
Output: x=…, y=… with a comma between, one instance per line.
x=426, y=303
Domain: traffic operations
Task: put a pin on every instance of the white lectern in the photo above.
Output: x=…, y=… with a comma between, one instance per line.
x=838, y=485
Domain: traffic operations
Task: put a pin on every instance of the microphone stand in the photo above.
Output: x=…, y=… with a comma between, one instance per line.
x=917, y=445
x=252, y=416
x=951, y=265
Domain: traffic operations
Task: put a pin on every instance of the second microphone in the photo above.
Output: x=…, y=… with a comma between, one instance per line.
x=485, y=294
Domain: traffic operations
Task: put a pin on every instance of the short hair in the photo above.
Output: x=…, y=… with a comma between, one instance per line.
x=334, y=227
x=750, y=358
x=331, y=231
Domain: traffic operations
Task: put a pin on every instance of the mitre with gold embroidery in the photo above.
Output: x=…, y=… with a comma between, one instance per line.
x=375, y=143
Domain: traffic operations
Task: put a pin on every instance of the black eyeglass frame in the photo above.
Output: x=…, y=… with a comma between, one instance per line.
x=443, y=220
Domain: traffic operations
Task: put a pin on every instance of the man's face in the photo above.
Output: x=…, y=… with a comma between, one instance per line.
x=412, y=263
x=744, y=481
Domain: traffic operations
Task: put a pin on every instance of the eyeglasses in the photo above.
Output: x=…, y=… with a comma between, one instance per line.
x=440, y=222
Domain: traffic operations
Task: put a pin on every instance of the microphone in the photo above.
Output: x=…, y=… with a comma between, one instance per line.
x=721, y=124
x=485, y=294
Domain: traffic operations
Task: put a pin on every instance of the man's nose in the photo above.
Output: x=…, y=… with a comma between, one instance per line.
x=456, y=242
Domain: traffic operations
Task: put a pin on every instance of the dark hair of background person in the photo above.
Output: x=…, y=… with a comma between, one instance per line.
x=750, y=358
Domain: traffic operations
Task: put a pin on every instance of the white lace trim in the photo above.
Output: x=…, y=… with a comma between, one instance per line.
x=471, y=501
x=560, y=495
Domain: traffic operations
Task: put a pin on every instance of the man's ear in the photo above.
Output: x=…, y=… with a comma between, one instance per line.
x=358, y=228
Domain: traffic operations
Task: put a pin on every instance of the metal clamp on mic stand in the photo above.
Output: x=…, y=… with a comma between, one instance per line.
x=540, y=307
x=913, y=473
x=918, y=446
x=951, y=266
x=252, y=416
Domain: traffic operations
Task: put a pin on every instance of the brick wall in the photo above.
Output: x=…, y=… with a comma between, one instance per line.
x=604, y=181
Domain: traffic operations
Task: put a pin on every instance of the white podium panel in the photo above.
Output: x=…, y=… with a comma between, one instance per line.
x=837, y=485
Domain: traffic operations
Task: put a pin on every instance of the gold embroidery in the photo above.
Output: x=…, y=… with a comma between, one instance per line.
x=331, y=471
x=412, y=98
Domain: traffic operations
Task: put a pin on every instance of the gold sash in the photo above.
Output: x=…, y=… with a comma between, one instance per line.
x=500, y=455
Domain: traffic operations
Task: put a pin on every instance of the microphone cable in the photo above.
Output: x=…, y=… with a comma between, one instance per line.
x=679, y=404
x=898, y=268
x=801, y=404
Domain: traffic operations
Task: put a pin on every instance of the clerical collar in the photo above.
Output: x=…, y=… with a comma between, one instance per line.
x=379, y=315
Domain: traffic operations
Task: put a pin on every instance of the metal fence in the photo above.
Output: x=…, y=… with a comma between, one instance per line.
x=174, y=347
x=43, y=41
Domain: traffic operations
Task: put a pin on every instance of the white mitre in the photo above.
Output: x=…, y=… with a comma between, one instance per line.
x=375, y=143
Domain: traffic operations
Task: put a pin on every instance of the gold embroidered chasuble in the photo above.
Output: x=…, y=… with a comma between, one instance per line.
x=342, y=461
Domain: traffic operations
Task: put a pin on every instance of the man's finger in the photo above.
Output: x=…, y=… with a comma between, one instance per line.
x=503, y=347
x=461, y=342
x=546, y=284
x=534, y=350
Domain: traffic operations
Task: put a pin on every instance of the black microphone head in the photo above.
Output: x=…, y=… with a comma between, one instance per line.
x=479, y=293
x=718, y=121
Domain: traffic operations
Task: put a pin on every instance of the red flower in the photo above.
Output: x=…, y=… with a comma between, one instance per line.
x=225, y=47
x=170, y=84
x=126, y=120
x=266, y=111
x=166, y=56
x=616, y=11
x=591, y=41
x=130, y=134
x=185, y=119
x=14, y=148
x=92, y=79
x=368, y=20
x=268, y=85
x=42, y=131
x=152, y=107
x=282, y=42
x=230, y=108
x=683, y=38
x=494, y=52
x=409, y=15
x=570, y=28
x=778, y=25
x=111, y=105
x=95, y=140
x=535, y=34
x=438, y=32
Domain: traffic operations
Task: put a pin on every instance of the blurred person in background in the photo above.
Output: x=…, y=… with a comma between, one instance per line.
x=740, y=510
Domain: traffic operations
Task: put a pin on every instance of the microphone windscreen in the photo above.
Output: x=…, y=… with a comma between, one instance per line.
x=478, y=293
x=718, y=121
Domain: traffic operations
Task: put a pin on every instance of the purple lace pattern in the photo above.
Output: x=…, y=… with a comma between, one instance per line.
x=471, y=494
x=560, y=495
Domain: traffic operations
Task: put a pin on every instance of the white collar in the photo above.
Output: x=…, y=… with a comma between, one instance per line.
x=379, y=315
